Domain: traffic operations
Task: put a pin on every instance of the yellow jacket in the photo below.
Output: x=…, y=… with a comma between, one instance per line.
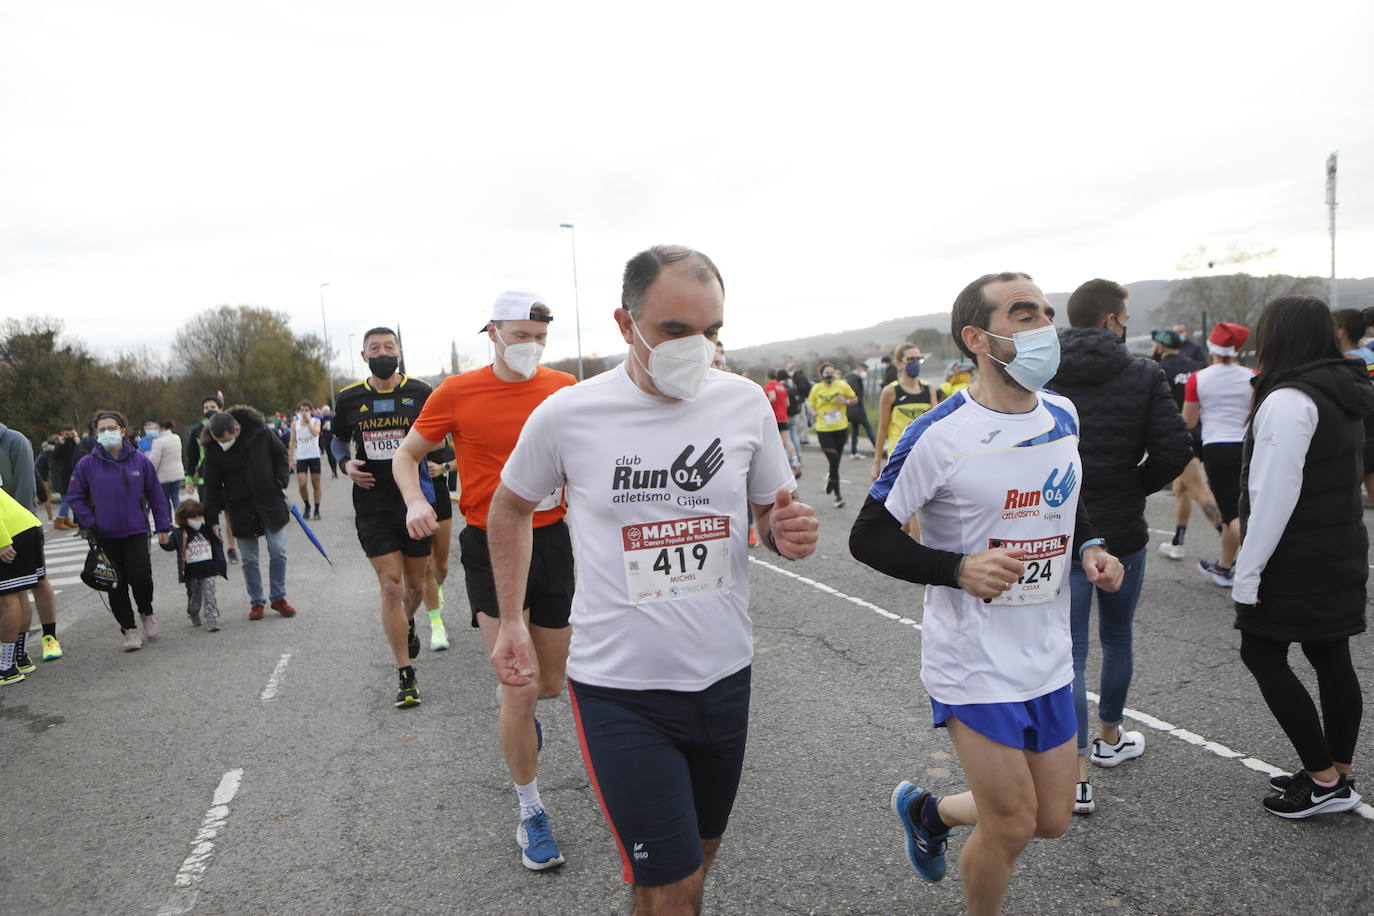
x=14, y=519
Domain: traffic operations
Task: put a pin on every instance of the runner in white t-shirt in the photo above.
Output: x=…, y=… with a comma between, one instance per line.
x=304, y=452
x=1219, y=398
x=660, y=457
x=993, y=474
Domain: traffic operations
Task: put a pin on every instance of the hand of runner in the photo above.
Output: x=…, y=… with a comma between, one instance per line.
x=988, y=574
x=794, y=526
x=1104, y=570
x=360, y=477
x=512, y=655
x=162, y=537
x=421, y=521
x=7, y=554
x=434, y=469
x=214, y=529
x=877, y=467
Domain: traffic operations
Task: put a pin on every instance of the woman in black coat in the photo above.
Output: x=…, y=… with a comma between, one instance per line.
x=1301, y=572
x=245, y=472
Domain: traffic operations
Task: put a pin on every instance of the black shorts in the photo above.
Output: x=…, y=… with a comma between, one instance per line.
x=384, y=533
x=1222, y=461
x=549, y=587
x=783, y=426
x=307, y=464
x=1196, y=440
x=443, y=506
x=27, y=568
x=665, y=765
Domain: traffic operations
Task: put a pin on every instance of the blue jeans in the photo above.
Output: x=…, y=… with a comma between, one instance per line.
x=252, y=576
x=63, y=507
x=1115, y=615
x=173, y=490
x=792, y=423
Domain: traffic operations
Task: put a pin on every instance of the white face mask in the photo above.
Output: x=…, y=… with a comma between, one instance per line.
x=227, y=445
x=151, y=433
x=678, y=367
x=522, y=358
x=195, y=523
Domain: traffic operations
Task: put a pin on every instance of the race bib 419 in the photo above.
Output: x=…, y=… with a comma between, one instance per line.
x=668, y=561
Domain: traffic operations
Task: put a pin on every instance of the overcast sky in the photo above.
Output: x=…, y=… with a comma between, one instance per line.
x=842, y=163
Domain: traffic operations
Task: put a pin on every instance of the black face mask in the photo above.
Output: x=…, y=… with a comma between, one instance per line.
x=210, y=413
x=382, y=366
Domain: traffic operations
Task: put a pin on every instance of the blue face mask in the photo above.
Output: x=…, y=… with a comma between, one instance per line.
x=913, y=369
x=1037, y=357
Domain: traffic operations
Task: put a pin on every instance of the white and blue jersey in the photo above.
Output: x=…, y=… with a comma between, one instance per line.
x=979, y=479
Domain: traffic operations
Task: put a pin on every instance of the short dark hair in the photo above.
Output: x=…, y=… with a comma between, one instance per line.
x=972, y=309
x=782, y=375
x=643, y=269
x=222, y=423
x=306, y=402
x=1094, y=301
x=167, y=424
x=186, y=509
x=771, y=374
x=377, y=332
x=212, y=397
x=1292, y=331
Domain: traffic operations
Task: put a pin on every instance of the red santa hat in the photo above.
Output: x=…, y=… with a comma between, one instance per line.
x=1226, y=338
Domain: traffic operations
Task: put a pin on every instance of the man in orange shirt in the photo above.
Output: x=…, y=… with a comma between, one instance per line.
x=485, y=410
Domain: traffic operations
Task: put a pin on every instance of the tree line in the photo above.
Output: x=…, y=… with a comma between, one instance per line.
x=49, y=379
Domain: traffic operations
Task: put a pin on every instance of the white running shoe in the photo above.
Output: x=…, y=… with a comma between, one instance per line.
x=1083, y=799
x=132, y=640
x=1171, y=550
x=1129, y=745
x=150, y=627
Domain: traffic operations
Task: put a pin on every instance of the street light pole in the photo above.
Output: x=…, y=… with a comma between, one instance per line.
x=1331, y=203
x=328, y=351
x=577, y=310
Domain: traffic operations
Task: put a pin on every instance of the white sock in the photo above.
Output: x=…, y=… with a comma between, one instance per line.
x=529, y=799
x=7, y=662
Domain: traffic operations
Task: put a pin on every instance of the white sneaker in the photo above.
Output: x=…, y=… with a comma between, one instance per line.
x=1131, y=744
x=1083, y=799
x=132, y=640
x=150, y=628
x=1171, y=550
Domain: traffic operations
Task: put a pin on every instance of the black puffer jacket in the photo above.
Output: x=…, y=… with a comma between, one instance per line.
x=246, y=480
x=1126, y=413
x=1313, y=586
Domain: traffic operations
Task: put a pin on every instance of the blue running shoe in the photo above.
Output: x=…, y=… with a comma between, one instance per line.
x=925, y=850
x=536, y=841
x=538, y=735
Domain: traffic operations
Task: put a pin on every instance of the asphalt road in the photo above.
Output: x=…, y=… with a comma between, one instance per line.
x=210, y=773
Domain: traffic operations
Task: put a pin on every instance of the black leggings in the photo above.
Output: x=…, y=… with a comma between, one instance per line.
x=832, y=443
x=131, y=561
x=1292, y=706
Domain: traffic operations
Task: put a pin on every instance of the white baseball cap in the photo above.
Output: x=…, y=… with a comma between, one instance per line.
x=514, y=305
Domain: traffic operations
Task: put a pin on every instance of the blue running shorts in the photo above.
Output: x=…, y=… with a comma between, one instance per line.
x=665, y=765
x=1039, y=724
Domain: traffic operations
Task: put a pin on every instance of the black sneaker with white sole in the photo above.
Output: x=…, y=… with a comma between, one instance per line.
x=1304, y=798
x=1281, y=782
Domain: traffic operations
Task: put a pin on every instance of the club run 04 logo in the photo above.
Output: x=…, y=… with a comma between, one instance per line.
x=689, y=472
x=1056, y=490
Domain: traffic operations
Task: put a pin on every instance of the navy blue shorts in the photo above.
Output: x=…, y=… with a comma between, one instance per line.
x=665, y=765
x=1036, y=725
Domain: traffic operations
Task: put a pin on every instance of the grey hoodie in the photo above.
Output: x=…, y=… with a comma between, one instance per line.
x=16, y=468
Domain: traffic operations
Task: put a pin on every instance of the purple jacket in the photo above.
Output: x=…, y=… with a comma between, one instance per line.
x=109, y=495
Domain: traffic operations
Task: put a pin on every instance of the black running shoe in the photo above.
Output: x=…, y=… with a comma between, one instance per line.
x=316, y=516
x=1281, y=782
x=408, y=694
x=1304, y=798
x=24, y=663
x=413, y=641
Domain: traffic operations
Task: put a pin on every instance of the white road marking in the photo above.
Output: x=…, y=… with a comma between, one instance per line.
x=274, y=682
x=203, y=846
x=65, y=549
x=65, y=580
x=1183, y=734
